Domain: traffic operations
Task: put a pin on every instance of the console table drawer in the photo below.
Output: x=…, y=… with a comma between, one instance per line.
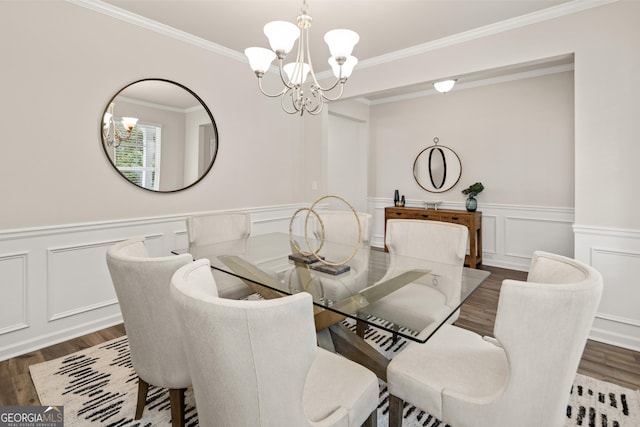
x=403, y=214
x=457, y=219
x=471, y=220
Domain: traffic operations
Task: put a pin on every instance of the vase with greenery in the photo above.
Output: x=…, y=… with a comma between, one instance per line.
x=471, y=192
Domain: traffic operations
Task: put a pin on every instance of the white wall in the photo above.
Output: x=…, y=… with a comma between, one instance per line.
x=514, y=137
x=63, y=64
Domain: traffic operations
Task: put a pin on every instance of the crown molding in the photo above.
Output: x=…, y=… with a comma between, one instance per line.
x=498, y=27
x=506, y=25
x=141, y=21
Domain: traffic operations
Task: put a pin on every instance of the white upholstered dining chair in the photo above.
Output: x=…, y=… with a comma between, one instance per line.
x=142, y=287
x=522, y=376
x=217, y=227
x=256, y=363
x=436, y=246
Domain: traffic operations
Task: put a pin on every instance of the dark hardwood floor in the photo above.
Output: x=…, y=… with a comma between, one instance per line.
x=16, y=385
x=606, y=362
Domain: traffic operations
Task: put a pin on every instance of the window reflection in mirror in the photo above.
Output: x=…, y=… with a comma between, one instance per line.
x=173, y=143
x=437, y=169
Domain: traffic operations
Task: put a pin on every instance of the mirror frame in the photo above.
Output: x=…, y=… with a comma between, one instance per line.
x=431, y=186
x=192, y=93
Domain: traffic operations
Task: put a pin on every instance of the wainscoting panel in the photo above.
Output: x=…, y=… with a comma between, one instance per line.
x=78, y=280
x=13, y=288
x=55, y=285
x=65, y=290
x=489, y=234
x=524, y=235
x=272, y=219
x=510, y=233
x=616, y=255
x=620, y=296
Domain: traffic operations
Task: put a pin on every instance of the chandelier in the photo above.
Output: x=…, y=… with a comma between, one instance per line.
x=282, y=35
x=110, y=132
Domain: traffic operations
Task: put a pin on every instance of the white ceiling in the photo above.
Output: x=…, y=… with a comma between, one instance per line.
x=385, y=27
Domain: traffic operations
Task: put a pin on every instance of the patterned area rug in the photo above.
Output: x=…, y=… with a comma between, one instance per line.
x=97, y=386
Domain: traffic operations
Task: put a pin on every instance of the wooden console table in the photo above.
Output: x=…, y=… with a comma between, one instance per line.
x=472, y=220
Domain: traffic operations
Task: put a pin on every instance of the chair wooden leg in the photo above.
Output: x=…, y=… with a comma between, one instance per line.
x=361, y=328
x=372, y=421
x=395, y=411
x=176, y=396
x=143, y=388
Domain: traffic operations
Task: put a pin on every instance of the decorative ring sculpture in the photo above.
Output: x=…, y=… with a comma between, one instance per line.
x=306, y=237
x=291, y=239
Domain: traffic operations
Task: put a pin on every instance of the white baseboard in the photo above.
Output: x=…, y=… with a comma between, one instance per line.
x=46, y=340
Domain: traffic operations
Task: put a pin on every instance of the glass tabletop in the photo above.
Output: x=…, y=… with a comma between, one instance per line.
x=407, y=296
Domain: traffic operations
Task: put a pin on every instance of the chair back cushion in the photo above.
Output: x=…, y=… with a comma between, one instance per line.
x=142, y=287
x=341, y=227
x=431, y=240
x=217, y=227
x=252, y=357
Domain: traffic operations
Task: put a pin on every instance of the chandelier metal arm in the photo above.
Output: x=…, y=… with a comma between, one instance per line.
x=319, y=104
x=323, y=91
x=283, y=77
x=293, y=102
x=270, y=95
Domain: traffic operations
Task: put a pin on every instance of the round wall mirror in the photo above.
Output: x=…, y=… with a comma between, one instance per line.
x=437, y=168
x=159, y=135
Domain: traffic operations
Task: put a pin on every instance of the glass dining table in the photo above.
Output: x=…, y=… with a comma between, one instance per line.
x=374, y=288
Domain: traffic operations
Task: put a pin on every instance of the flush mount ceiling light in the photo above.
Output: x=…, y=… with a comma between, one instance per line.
x=282, y=36
x=444, y=85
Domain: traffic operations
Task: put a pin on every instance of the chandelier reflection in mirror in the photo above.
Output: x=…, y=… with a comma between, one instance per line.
x=282, y=36
x=110, y=132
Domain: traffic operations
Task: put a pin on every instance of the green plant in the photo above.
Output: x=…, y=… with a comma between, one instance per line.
x=473, y=189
